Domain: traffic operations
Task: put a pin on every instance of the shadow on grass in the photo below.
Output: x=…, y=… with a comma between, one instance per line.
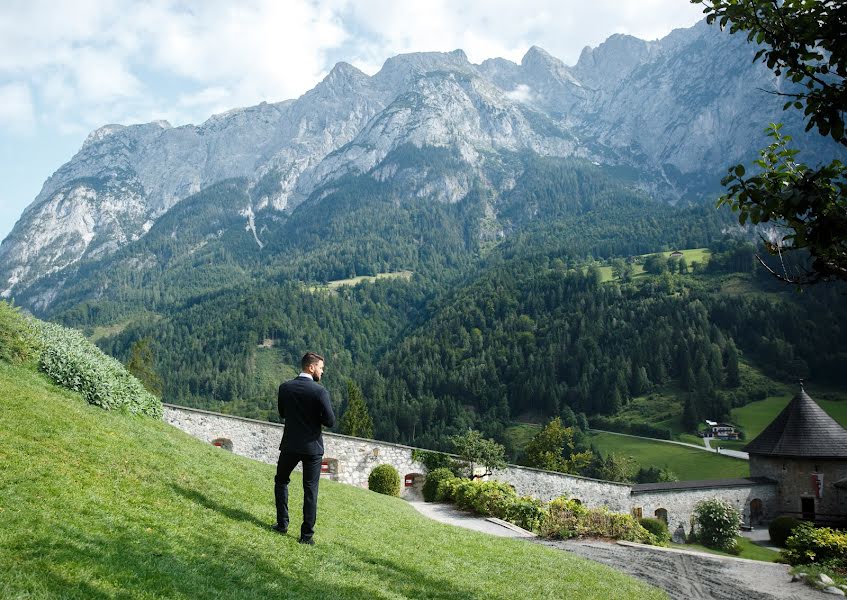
x=70, y=564
x=234, y=514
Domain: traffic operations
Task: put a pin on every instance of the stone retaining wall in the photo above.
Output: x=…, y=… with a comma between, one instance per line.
x=350, y=460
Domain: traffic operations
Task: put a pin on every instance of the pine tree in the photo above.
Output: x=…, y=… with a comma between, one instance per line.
x=356, y=421
x=141, y=364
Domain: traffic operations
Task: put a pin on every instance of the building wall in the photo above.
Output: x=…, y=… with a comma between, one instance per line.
x=794, y=477
x=679, y=504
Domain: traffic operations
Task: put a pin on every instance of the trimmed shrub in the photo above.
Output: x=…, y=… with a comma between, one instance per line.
x=433, y=478
x=718, y=524
x=71, y=361
x=657, y=527
x=384, y=479
x=780, y=529
x=17, y=340
x=806, y=545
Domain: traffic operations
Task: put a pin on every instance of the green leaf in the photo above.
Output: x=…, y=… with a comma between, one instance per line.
x=739, y=171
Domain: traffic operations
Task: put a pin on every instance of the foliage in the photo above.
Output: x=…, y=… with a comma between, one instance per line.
x=17, y=342
x=73, y=362
x=356, y=420
x=810, y=203
x=802, y=40
x=433, y=479
x=491, y=498
x=554, y=449
x=718, y=523
x=823, y=545
x=780, y=529
x=611, y=467
x=487, y=498
x=657, y=527
x=653, y=474
x=384, y=479
x=141, y=365
x=437, y=460
x=568, y=518
x=476, y=450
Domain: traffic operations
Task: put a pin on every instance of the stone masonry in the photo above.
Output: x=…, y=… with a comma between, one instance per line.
x=350, y=460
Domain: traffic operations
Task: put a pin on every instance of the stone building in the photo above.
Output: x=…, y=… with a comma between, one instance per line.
x=804, y=451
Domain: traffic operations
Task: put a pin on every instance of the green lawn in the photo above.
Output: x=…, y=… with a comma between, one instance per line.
x=747, y=549
x=687, y=463
x=101, y=505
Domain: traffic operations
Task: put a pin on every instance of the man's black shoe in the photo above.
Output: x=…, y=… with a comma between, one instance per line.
x=309, y=542
x=279, y=528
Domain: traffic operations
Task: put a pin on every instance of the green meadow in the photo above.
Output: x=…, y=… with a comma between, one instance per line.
x=687, y=463
x=97, y=504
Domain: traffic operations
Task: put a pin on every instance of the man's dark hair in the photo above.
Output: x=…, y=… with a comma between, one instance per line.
x=310, y=358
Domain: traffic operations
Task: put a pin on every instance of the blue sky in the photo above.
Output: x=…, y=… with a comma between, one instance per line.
x=67, y=68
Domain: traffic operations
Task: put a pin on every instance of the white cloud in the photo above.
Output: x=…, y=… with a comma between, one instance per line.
x=521, y=93
x=16, y=111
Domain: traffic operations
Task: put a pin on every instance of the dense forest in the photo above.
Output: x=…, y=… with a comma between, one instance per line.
x=505, y=317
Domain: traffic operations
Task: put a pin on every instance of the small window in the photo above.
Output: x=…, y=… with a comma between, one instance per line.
x=223, y=443
x=637, y=512
x=661, y=514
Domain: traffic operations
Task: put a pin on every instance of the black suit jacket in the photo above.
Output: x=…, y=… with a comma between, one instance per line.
x=305, y=406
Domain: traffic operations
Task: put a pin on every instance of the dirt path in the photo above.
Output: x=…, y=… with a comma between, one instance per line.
x=694, y=576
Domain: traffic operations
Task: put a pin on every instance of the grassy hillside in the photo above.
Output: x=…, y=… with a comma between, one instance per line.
x=686, y=463
x=98, y=504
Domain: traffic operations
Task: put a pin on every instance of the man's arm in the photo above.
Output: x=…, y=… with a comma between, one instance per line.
x=280, y=405
x=327, y=416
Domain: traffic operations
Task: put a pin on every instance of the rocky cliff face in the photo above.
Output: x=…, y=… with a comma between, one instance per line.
x=670, y=111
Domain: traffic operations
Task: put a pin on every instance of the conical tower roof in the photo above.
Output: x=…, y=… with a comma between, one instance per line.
x=802, y=429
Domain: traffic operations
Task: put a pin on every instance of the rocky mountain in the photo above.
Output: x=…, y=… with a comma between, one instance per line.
x=668, y=115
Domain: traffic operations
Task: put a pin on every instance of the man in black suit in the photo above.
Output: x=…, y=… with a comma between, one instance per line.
x=304, y=406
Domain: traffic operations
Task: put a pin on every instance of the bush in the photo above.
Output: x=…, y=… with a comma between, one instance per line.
x=384, y=479
x=487, y=498
x=568, y=518
x=17, y=341
x=718, y=524
x=525, y=512
x=657, y=527
x=808, y=545
x=71, y=361
x=780, y=529
x=446, y=491
x=433, y=478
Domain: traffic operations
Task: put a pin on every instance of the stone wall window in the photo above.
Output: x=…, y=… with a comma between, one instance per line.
x=661, y=514
x=329, y=468
x=637, y=512
x=224, y=443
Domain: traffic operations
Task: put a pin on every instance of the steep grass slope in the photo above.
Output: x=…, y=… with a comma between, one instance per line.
x=97, y=504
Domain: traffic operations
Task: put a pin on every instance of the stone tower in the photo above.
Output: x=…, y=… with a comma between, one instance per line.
x=805, y=451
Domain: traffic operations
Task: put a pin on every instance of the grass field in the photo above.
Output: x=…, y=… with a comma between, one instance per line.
x=700, y=255
x=97, y=504
x=337, y=283
x=754, y=417
x=687, y=463
x=747, y=549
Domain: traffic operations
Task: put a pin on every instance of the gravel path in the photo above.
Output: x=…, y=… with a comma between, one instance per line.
x=682, y=574
x=695, y=576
